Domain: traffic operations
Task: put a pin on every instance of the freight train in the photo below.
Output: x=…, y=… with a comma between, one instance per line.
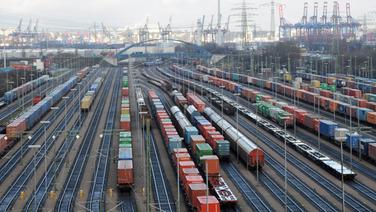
x=345, y=105
x=12, y=95
x=28, y=119
x=90, y=95
x=191, y=180
x=366, y=85
x=202, y=153
x=125, y=173
x=330, y=130
x=309, y=152
x=215, y=139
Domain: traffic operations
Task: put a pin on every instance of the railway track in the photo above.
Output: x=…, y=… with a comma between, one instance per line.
x=9, y=110
x=27, y=172
x=363, y=189
x=36, y=201
x=162, y=193
x=9, y=166
x=250, y=195
x=126, y=204
x=70, y=187
x=96, y=193
x=325, y=183
x=273, y=187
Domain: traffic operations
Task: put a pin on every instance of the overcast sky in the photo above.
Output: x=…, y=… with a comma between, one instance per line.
x=70, y=14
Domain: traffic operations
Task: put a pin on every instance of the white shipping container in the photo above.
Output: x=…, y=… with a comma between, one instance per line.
x=296, y=85
x=340, y=133
x=281, y=104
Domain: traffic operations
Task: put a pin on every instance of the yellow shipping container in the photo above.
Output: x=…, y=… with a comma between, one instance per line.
x=125, y=110
x=287, y=77
x=86, y=102
x=315, y=83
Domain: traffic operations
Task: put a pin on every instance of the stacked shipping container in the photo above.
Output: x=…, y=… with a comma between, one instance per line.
x=125, y=175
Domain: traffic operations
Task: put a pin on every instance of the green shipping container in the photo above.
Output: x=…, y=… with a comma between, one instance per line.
x=324, y=86
x=332, y=88
x=125, y=134
x=125, y=145
x=203, y=149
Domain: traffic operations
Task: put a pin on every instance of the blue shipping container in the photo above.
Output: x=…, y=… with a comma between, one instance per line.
x=125, y=154
x=364, y=143
x=352, y=141
x=188, y=131
x=327, y=128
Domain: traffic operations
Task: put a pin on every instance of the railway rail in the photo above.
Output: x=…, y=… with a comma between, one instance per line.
x=70, y=187
x=100, y=175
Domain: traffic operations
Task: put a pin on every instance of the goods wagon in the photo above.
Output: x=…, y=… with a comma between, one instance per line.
x=251, y=154
x=125, y=173
x=24, y=89
x=90, y=95
x=28, y=119
x=202, y=154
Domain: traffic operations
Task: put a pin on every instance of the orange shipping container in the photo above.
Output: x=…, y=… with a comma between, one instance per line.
x=210, y=163
x=371, y=117
x=208, y=204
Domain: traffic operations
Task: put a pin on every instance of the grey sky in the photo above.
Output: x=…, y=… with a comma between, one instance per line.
x=82, y=13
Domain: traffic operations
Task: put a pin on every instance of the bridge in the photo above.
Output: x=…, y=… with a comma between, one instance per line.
x=163, y=48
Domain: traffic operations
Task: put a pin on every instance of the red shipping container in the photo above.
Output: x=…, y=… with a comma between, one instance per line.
x=300, y=114
x=213, y=138
x=125, y=125
x=180, y=150
x=16, y=128
x=208, y=204
x=124, y=92
x=372, y=151
x=190, y=171
x=194, y=143
x=195, y=190
x=185, y=164
x=125, y=172
x=326, y=93
x=333, y=105
x=289, y=108
x=362, y=103
x=311, y=121
x=371, y=105
x=189, y=179
x=181, y=157
x=351, y=111
x=36, y=100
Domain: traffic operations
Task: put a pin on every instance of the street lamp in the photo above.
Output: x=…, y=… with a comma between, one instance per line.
x=45, y=123
x=65, y=111
x=36, y=147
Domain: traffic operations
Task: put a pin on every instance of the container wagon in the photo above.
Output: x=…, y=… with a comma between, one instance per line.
x=125, y=173
x=12, y=95
x=28, y=119
x=190, y=178
x=90, y=95
x=312, y=154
